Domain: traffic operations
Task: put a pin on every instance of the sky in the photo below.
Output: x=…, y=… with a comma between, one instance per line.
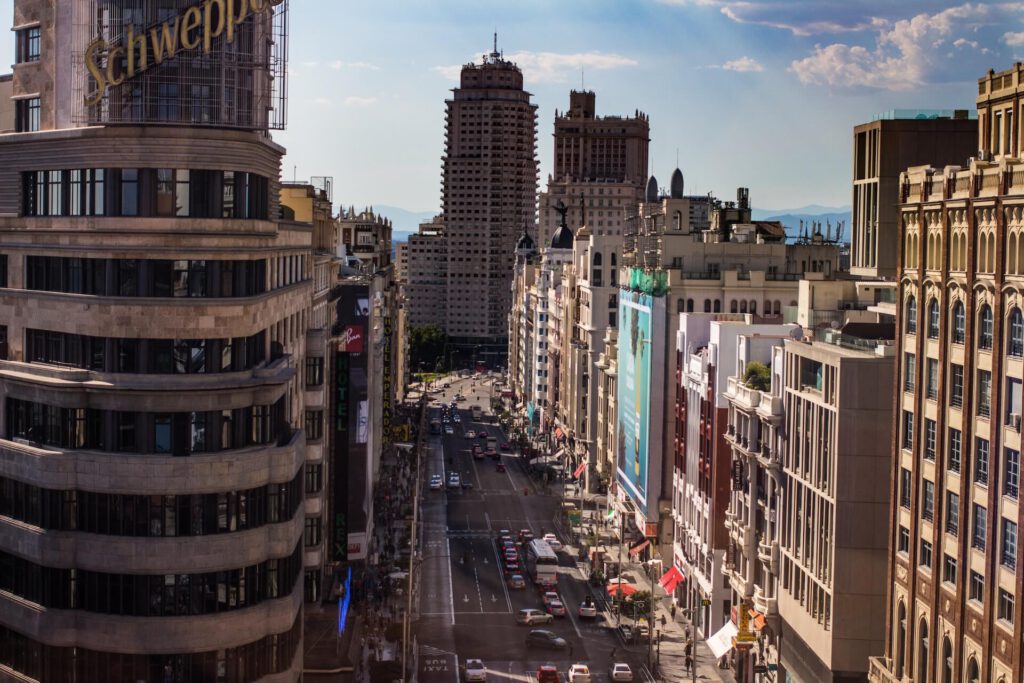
x=755, y=93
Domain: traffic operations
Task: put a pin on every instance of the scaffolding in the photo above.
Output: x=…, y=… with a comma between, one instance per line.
x=241, y=84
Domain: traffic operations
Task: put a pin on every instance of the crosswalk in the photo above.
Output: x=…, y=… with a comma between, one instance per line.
x=526, y=670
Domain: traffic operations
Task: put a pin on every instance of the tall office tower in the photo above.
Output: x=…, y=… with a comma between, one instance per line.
x=489, y=196
x=884, y=148
x=154, y=316
x=955, y=561
x=426, y=286
x=600, y=167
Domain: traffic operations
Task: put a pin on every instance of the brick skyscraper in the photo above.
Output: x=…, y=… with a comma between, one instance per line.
x=489, y=195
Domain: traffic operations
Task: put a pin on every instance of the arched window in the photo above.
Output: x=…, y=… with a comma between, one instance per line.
x=973, y=674
x=959, y=322
x=753, y=306
x=901, y=640
x=707, y=305
x=689, y=305
x=1015, y=347
x=718, y=305
x=743, y=306
x=911, y=316
x=922, y=651
x=680, y=305
x=733, y=307
x=933, y=318
x=778, y=307
x=985, y=327
x=947, y=661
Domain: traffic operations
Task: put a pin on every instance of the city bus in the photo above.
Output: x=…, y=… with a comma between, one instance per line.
x=542, y=563
x=477, y=412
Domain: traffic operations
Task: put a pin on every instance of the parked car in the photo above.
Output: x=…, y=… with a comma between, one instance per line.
x=475, y=670
x=579, y=673
x=545, y=639
x=530, y=616
x=621, y=672
x=546, y=673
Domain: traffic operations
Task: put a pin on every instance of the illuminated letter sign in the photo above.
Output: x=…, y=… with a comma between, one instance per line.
x=196, y=26
x=339, y=467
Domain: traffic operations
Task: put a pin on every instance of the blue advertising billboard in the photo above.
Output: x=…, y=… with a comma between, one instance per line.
x=635, y=353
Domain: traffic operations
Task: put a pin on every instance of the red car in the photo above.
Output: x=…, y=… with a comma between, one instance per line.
x=506, y=446
x=500, y=467
x=512, y=568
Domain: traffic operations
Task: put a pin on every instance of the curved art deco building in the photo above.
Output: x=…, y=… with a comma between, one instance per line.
x=153, y=313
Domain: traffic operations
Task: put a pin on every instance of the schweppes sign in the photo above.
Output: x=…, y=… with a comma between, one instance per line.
x=196, y=27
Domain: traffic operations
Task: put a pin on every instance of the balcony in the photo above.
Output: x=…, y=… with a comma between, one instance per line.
x=742, y=395
x=763, y=604
x=768, y=554
x=879, y=670
x=770, y=407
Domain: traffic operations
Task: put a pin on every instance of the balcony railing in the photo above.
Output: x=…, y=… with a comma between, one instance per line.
x=879, y=670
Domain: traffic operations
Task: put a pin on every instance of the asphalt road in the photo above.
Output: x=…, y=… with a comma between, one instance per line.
x=466, y=608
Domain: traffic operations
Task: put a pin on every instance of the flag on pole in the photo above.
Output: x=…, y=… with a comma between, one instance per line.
x=579, y=470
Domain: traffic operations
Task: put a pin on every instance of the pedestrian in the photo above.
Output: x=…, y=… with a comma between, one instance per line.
x=614, y=649
x=673, y=611
x=689, y=663
x=570, y=650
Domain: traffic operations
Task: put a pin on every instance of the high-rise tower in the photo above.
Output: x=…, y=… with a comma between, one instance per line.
x=489, y=195
x=154, y=312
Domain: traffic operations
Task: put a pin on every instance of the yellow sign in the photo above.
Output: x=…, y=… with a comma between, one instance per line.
x=744, y=634
x=196, y=26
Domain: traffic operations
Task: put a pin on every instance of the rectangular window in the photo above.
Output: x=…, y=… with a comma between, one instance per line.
x=130, y=192
x=979, y=517
x=928, y=500
x=984, y=393
x=956, y=385
x=3, y=270
x=1011, y=473
x=313, y=532
x=903, y=542
x=28, y=115
x=952, y=513
x=314, y=371
x=949, y=570
x=925, y=559
x=1009, y=544
x=954, y=450
x=314, y=425
x=932, y=377
x=930, y=439
x=909, y=371
x=908, y=430
x=314, y=479
x=28, y=45
x=1012, y=406
x=976, y=587
x=1006, y=601
x=981, y=461
x=905, y=488
x=162, y=434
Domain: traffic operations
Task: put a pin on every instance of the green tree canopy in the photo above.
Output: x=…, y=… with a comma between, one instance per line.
x=426, y=347
x=758, y=376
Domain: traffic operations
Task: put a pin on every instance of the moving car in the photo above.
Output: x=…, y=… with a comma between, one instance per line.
x=588, y=608
x=500, y=467
x=531, y=616
x=482, y=434
x=512, y=568
x=475, y=670
x=556, y=608
x=516, y=581
x=546, y=673
x=454, y=480
x=470, y=434
x=553, y=541
x=467, y=483
x=436, y=482
x=525, y=535
x=448, y=429
x=626, y=631
x=511, y=555
x=579, y=673
x=506, y=446
x=620, y=671
x=550, y=596
x=545, y=639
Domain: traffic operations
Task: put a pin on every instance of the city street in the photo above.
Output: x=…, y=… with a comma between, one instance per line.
x=466, y=608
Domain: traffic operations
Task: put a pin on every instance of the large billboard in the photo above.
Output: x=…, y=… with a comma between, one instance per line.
x=640, y=351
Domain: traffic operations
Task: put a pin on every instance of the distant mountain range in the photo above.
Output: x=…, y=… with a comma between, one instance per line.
x=407, y=222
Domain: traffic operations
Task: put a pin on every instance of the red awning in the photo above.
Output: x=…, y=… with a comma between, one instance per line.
x=637, y=549
x=671, y=579
x=579, y=470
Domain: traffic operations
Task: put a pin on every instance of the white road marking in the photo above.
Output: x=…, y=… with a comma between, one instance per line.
x=504, y=586
x=479, y=596
x=451, y=589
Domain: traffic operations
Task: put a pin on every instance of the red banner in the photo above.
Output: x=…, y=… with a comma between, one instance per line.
x=671, y=579
x=579, y=470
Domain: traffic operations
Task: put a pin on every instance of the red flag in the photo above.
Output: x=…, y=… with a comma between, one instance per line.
x=670, y=579
x=579, y=470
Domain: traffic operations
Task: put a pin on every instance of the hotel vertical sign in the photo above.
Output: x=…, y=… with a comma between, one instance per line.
x=339, y=538
x=386, y=388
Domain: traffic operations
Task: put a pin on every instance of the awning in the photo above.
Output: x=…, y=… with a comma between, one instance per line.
x=579, y=470
x=671, y=579
x=721, y=642
x=636, y=550
x=757, y=620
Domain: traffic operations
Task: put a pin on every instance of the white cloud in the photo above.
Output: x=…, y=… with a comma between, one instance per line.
x=322, y=101
x=1014, y=39
x=743, y=64
x=553, y=67
x=338, y=64
x=357, y=101
x=907, y=54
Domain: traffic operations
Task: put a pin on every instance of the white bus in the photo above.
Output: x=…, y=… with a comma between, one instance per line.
x=477, y=412
x=542, y=563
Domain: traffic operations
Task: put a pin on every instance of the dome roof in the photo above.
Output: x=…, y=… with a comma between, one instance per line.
x=562, y=237
x=676, y=186
x=652, y=190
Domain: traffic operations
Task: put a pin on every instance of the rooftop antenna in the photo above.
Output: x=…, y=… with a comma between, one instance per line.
x=495, y=53
x=677, y=157
x=583, y=79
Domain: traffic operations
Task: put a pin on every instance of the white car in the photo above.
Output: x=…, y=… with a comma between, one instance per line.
x=475, y=670
x=588, y=609
x=579, y=673
x=620, y=671
x=448, y=429
x=470, y=434
x=454, y=481
x=553, y=541
x=531, y=616
x=436, y=482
